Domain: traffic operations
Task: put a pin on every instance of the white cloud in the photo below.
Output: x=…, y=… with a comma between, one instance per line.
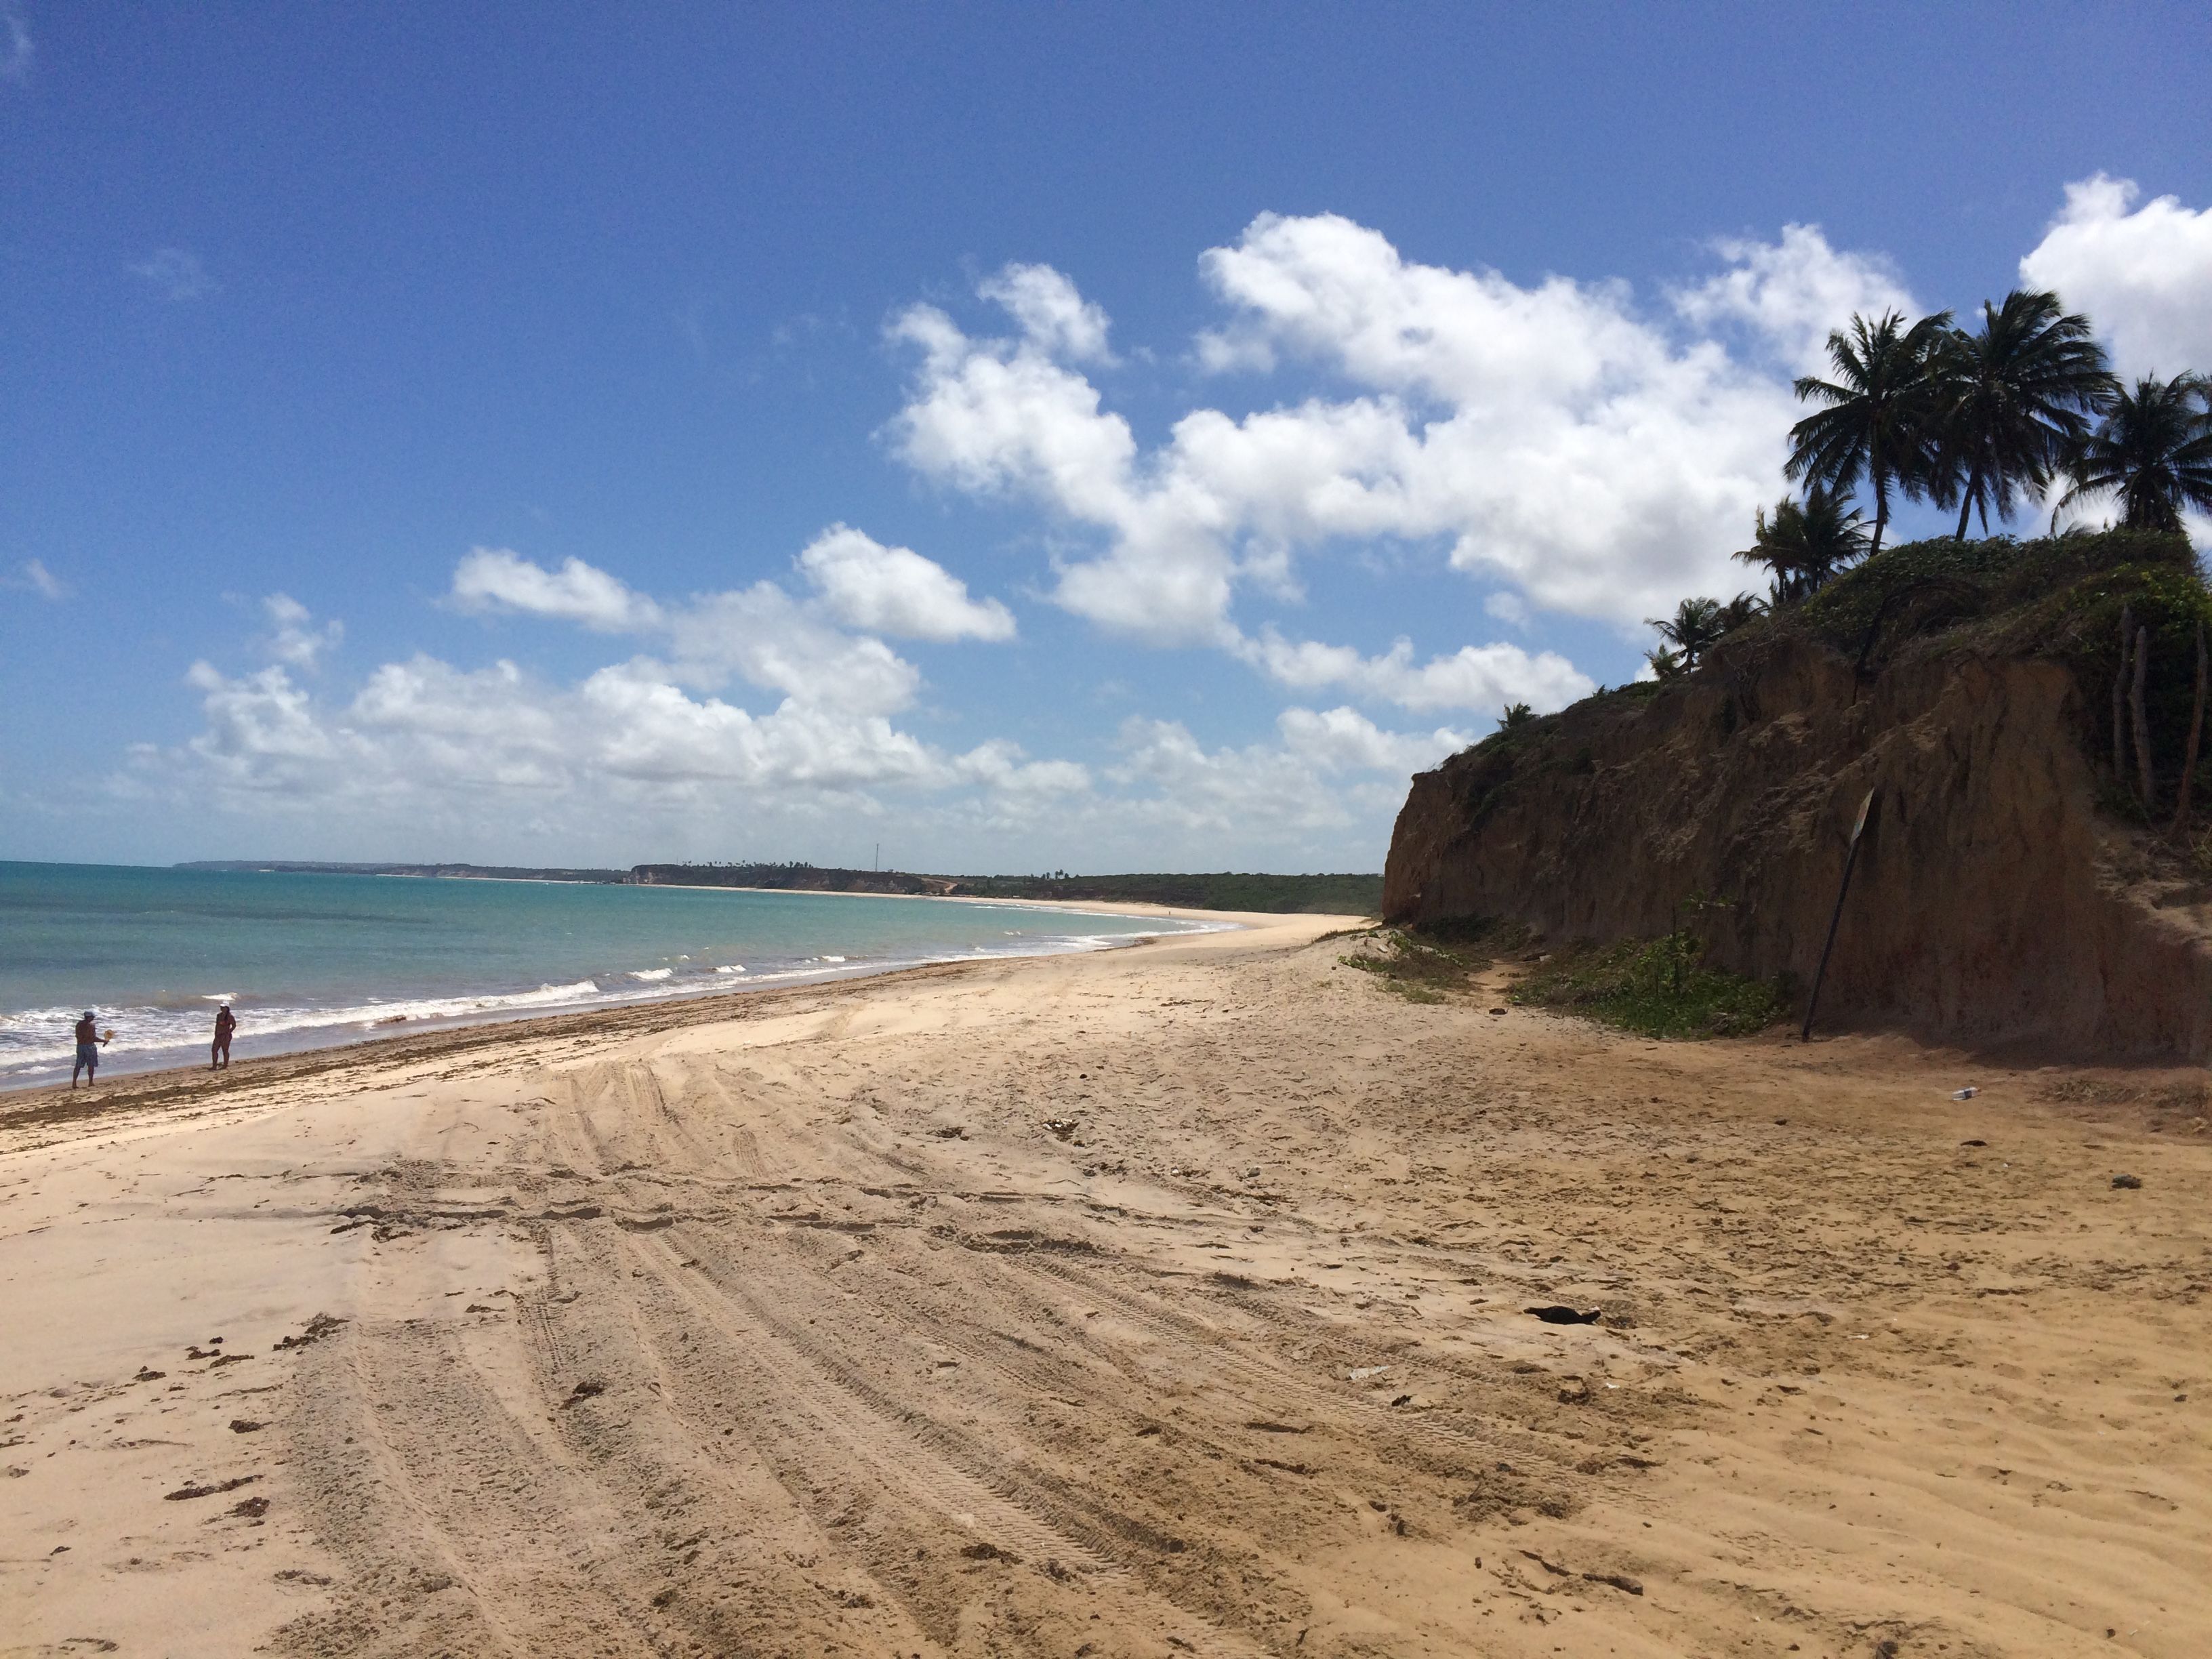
x=33, y=576
x=1264, y=791
x=759, y=634
x=1344, y=740
x=1508, y=608
x=1548, y=435
x=422, y=747
x=895, y=590
x=1485, y=677
x=762, y=634
x=2142, y=275
x=1557, y=438
x=492, y=579
x=1001, y=416
x=1000, y=764
x=258, y=726
x=178, y=274
x=422, y=742
x=15, y=58
x=293, y=638
x=423, y=729
x=1793, y=291
x=1052, y=317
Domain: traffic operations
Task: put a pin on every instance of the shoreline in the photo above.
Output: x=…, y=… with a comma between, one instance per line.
x=462, y=1034
x=349, y=1033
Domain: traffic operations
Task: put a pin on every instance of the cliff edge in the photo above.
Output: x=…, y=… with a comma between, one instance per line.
x=2007, y=886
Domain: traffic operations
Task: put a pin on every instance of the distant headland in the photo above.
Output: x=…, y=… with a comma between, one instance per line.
x=1330, y=895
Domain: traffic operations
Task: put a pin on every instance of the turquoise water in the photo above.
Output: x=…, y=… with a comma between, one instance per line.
x=306, y=960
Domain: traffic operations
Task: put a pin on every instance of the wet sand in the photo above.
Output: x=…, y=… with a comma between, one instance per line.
x=1162, y=1301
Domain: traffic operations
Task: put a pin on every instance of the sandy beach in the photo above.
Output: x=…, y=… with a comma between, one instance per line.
x=1166, y=1300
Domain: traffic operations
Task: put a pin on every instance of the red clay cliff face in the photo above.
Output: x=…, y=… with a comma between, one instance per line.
x=1988, y=903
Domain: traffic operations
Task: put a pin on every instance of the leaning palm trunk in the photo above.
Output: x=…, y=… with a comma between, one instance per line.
x=1966, y=506
x=2142, y=721
x=2196, y=732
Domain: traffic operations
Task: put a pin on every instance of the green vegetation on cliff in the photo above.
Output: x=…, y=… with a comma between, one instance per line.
x=2058, y=599
x=1660, y=987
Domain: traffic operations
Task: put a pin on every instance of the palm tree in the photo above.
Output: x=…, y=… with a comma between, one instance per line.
x=1880, y=420
x=1516, y=714
x=2017, y=398
x=1803, y=546
x=2154, y=450
x=1666, y=665
x=1692, y=630
x=1743, y=608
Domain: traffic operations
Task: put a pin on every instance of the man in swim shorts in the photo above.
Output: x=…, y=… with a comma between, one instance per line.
x=225, y=1023
x=88, y=1039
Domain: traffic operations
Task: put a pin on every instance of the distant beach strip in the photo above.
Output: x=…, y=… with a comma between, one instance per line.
x=311, y=959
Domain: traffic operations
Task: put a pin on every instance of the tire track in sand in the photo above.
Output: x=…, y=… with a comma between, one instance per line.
x=830, y=1432
x=462, y=1536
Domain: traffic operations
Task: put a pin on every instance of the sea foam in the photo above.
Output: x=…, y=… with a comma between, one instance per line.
x=313, y=960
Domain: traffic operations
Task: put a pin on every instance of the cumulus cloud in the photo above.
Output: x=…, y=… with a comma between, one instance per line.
x=1002, y=417
x=1052, y=315
x=1001, y=765
x=1509, y=608
x=261, y=727
x=1549, y=435
x=425, y=728
x=294, y=638
x=425, y=732
x=1262, y=791
x=1485, y=677
x=496, y=578
x=1792, y=292
x=762, y=634
x=895, y=590
x=2142, y=275
x=176, y=274
x=422, y=746
x=759, y=634
x=33, y=576
x=423, y=741
x=1345, y=740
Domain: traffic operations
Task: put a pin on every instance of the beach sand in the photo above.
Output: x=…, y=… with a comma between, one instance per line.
x=1162, y=1301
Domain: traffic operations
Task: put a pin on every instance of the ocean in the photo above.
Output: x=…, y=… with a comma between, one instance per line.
x=310, y=960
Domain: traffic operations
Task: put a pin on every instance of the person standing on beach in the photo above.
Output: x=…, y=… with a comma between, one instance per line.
x=88, y=1039
x=225, y=1023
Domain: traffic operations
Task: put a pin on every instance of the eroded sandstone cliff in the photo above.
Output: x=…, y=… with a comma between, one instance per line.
x=1992, y=900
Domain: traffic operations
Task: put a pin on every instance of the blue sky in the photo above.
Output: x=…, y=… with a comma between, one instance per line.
x=1019, y=436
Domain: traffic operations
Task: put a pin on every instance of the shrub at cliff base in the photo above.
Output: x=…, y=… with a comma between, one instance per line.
x=1658, y=987
x=1661, y=987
